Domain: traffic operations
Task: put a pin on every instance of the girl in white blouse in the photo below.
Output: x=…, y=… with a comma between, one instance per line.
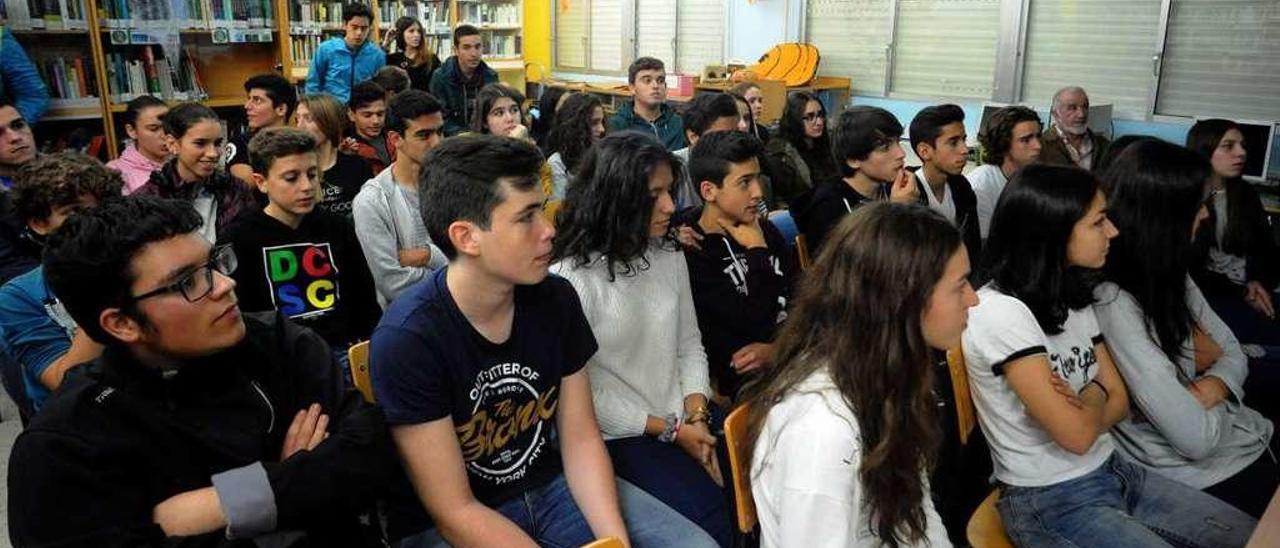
x=843, y=427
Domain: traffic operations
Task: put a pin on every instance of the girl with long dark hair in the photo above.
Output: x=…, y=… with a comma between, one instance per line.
x=194, y=136
x=579, y=124
x=650, y=380
x=1185, y=369
x=843, y=427
x=500, y=111
x=412, y=54
x=1047, y=392
x=1240, y=262
x=800, y=153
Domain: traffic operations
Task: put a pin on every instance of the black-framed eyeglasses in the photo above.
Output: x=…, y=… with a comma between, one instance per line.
x=815, y=116
x=198, y=283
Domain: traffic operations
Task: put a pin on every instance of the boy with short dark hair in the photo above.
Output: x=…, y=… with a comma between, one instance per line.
x=395, y=242
x=305, y=263
x=271, y=101
x=479, y=364
x=17, y=147
x=457, y=82
x=871, y=160
x=705, y=113
x=741, y=277
x=393, y=80
x=938, y=138
x=367, y=111
x=648, y=110
x=37, y=332
x=195, y=422
x=343, y=61
x=1010, y=141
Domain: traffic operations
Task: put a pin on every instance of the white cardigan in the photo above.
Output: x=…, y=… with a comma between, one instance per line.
x=651, y=354
x=804, y=474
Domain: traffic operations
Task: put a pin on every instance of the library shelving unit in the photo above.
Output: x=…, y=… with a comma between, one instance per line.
x=96, y=55
x=57, y=39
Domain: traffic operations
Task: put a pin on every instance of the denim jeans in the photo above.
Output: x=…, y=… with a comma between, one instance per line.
x=1120, y=504
x=550, y=516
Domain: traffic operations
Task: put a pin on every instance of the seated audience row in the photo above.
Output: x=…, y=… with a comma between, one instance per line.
x=589, y=403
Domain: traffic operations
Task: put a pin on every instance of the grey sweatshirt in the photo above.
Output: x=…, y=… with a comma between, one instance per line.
x=386, y=223
x=1168, y=430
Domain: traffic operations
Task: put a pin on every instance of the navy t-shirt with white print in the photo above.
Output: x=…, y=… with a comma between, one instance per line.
x=428, y=362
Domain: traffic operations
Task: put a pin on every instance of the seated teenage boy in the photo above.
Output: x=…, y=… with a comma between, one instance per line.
x=865, y=144
x=938, y=138
x=480, y=370
x=270, y=103
x=1010, y=141
x=706, y=113
x=37, y=332
x=195, y=422
x=367, y=110
x=741, y=277
x=648, y=110
x=306, y=264
x=396, y=245
x=17, y=147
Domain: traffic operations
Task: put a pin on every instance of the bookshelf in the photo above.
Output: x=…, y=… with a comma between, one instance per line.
x=96, y=55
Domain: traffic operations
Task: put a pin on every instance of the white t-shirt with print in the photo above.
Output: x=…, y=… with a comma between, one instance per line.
x=1001, y=330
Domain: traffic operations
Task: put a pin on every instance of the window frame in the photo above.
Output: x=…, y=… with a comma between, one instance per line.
x=630, y=42
x=1010, y=63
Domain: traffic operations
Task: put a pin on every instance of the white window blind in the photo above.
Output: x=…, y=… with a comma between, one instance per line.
x=606, y=35
x=1104, y=46
x=1222, y=58
x=852, y=37
x=946, y=48
x=572, y=22
x=701, y=34
x=656, y=29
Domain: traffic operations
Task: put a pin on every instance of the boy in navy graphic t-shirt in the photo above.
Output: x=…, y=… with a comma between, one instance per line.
x=479, y=369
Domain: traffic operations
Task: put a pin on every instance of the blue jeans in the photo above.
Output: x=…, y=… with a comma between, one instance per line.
x=667, y=472
x=550, y=516
x=1120, y=504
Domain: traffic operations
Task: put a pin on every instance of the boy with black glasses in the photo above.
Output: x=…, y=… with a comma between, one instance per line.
x=195, y=422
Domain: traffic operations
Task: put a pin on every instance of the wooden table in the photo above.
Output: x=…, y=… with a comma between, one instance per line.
x=775, y=93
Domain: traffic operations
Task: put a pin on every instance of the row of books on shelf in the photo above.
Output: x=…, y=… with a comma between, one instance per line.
x=489, y=14
x=434, y=16
x=44, y=14
x=310, y=17
x=501, y=45
x=143, y=73
x=186, y=14
x=303, y=47
x=67, y=77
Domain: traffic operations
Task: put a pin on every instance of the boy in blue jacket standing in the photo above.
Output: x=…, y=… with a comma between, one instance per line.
x=341, y=63
x=458, y=81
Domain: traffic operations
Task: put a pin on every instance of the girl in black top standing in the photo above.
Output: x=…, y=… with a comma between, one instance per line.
x=412, y=54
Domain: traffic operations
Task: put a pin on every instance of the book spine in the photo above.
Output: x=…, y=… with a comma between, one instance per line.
x=84, y=77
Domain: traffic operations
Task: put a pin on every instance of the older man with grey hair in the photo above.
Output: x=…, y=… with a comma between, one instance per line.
x=1069, y=141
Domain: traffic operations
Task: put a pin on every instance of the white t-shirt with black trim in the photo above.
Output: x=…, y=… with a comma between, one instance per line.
x=1002, y=330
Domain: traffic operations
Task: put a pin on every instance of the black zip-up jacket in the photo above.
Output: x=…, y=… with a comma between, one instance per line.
x=233, y=197
x=740, y=294
x=118, y=438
